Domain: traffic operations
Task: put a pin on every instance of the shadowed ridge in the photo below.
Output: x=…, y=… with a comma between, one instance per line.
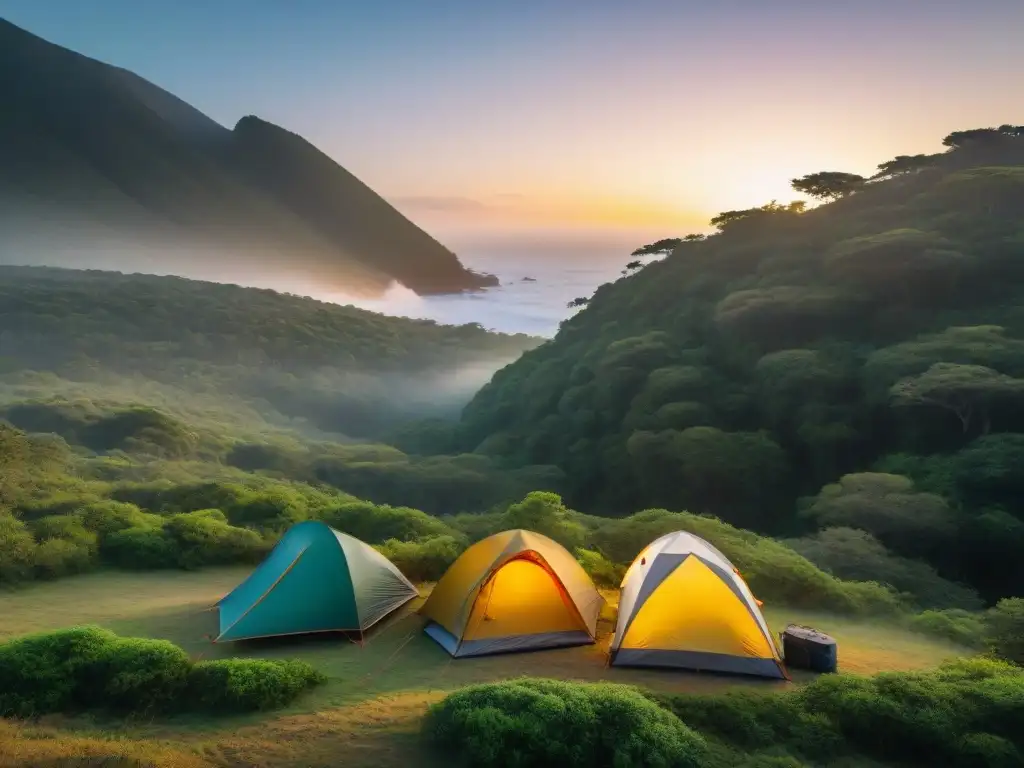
x=344, y=209
x=129, y=177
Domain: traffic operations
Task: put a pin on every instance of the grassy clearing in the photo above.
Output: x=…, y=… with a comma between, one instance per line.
x=369, y=710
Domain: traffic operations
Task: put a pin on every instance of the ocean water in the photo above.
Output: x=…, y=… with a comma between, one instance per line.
x=558, y=274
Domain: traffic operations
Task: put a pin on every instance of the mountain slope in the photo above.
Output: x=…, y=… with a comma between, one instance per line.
x=882, y=331
x=98, y=167
x=143, y=338
x=341, y=208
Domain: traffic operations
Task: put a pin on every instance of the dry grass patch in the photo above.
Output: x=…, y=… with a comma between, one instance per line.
x=383, y=732
x=24, y=746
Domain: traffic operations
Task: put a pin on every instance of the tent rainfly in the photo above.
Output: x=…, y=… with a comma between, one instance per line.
x=683, y=604
x=513, y=591
x=315, y=580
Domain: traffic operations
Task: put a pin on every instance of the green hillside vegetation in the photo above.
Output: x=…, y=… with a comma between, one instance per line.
x=831, y=397
x=850, y=376
x=89, y=668
x=963, y=714
x=220, y=349
x=68, y=510
x=129, y=176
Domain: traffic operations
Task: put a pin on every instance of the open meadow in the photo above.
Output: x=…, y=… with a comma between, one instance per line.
x=368, y=713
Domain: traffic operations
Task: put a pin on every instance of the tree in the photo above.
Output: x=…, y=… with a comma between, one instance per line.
x=987, y=345
x=662, y=247
x=728, y=218
x=906, y=262
x=1006, y=629
x=856, y=555
x=579, y=301
x=631, y=266
x=544, y=512
x=904, y=164
x=828, y=185
x=977, y=137
x=889, y=508
x=967, y=391
x=782, y=315
x=705, y=469
x=694, y=238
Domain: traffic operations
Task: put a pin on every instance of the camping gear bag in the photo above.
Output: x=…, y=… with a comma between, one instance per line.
x=807, y=648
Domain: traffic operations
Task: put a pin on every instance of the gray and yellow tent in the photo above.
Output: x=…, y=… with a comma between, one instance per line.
x=315, y=580
x=514, y=591
x=683, y=604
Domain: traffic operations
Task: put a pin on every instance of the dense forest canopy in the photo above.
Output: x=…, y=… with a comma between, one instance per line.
x=137, y=338
x=873, y=345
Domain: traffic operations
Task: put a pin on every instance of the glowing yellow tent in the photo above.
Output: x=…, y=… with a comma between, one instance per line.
x=683, y=604
x=513, y=591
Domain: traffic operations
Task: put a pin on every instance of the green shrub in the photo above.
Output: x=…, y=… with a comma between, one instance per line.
x=141, y=547
x=853, y=554
x=983, y=750
x=548, y=722
x=107, y=517
x=1005, y=623
x=243, y=685
x=375, y=524
x=17, y=550
x=268, y=509
x=926, y=718
x=544, y=513
x=204, y=538
x=66, y=546
x=965, y=714
x=141, y=675
x=425, y=559
x=50, y=672
x=954, y=624
x=85, y=668
x=604, y=572
x=752, y=720
x=62, y=557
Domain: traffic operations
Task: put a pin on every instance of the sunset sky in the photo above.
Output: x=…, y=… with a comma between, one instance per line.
x=574, y=114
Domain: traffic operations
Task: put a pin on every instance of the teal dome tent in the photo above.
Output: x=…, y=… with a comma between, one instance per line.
x=315, y=580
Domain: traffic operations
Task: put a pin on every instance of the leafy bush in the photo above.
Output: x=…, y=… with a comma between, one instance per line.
x=424, y=559
x=548, y=722
x=243, y=685
x=856, y=555
x=954, y=624
x=62, y=557
x=889, y=508
x=51, y=672
x=92, y=668
x=544, y=513
x=603, y=572
x=106, y=517
x=140, y=674
x=964, y=714
x=141, y=547
x=925, y=718
x=374, y=523
x=271, y=508
x=65, y=545
x=1006, y=629
x=17, y=550
x=205, y=538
